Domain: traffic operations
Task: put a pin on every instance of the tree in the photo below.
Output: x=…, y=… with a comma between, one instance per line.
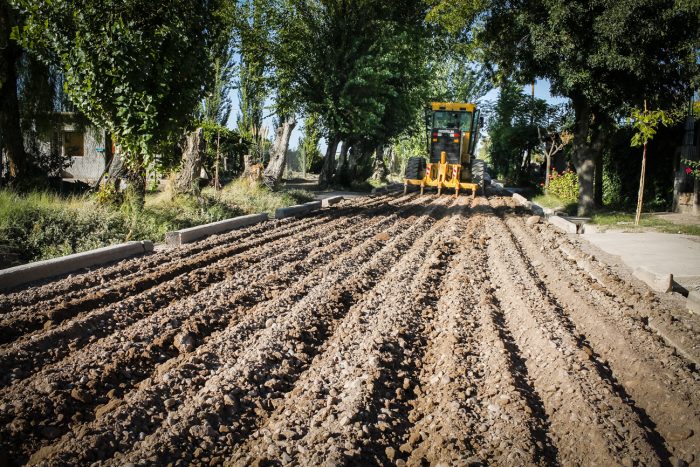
x=252, y=28
x=645, y=122
x=591, y=52
x=139, y=69
x=346, y=60
x=308, y=144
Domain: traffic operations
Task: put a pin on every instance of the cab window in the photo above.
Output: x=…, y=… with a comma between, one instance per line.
x=445, y=119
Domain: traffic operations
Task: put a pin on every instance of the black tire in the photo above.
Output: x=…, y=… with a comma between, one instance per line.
x=479, y=174
x=415, y=168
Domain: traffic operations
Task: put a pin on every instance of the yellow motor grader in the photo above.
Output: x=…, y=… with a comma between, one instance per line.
x=452, y=133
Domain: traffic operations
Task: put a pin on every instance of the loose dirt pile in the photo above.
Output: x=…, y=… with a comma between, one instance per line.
x=391, y=330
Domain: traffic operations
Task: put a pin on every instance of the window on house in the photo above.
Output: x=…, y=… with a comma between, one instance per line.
x=73, y=144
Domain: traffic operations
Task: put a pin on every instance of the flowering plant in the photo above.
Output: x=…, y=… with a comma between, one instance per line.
x=564, y=185
x=692, y=168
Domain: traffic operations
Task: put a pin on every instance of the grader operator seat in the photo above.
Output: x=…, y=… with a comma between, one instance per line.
x=452, y=131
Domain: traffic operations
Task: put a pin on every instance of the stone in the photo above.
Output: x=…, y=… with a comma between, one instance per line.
x=184, y=342
x=170, y=403
x=80, y=396
x=679, y=434
x=533, y=220
x=390, y=453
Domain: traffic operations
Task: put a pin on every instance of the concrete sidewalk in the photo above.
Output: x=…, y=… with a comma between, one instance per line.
x=661, y=253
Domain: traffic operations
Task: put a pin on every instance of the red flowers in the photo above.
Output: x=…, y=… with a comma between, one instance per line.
x=688, y=170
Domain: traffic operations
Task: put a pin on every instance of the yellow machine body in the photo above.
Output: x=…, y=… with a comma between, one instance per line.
x=453, y=127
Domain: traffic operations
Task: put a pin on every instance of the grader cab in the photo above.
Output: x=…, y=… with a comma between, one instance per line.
x=452, y=133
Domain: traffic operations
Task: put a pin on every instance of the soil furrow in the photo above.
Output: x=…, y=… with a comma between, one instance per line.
x=80, y=284
x=49, y=346
x=395, y=330
x=472, y=410
x=657, y=389
x=47, y=392
x=561, y=370
x=181, y=380
x=20, y=322
x=340, y=410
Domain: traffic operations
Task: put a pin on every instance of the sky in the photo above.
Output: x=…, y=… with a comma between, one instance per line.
x=542, y=91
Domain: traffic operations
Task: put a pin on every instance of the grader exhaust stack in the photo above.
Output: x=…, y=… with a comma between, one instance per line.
x=453, y=131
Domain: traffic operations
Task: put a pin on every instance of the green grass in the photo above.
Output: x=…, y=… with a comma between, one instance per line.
x=42, y=225
x=552, y=202
x=648, y=221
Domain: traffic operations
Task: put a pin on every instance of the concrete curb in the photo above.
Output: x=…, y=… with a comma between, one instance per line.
x=39, y=270
x=328, y=202
x=659, y=282
x=563, y=224
x=549, y=214
x=180, y=237
x=297, y=210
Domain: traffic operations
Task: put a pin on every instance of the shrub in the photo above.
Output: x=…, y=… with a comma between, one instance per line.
x=564, y=185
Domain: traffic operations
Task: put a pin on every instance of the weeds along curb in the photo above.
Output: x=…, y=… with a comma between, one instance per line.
x=180, y=237
x=25, y=273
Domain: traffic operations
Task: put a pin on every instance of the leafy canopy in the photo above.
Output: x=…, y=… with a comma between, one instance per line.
x=135, y=67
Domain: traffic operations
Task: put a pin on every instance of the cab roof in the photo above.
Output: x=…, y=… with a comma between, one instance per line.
x=453, y=106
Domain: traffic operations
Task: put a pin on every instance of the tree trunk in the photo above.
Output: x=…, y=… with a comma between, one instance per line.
x=325, y=178
x=393, y=161
x=11, y=143
x=640, y=195
x=598, y=139
x=136, y=184
x=598, y=187
x=187, y=180
x=343, y=172
x=583, y=156
x=379, y=171
x=278, y=154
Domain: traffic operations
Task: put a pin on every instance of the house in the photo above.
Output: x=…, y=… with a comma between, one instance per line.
x=86, y=148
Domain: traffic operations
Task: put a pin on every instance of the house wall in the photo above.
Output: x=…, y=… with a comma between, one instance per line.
x=90, y=166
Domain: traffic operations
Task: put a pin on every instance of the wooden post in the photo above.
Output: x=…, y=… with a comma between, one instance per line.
x=640, y=195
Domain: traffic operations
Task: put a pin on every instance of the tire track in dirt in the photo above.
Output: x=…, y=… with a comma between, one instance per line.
x=212, y=357
x=131, y=363
x=351, y=404
x=657, y=389
x=37, y=350
x=562, y=373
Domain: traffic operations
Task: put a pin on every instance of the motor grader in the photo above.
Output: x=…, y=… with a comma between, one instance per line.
x=452, y=131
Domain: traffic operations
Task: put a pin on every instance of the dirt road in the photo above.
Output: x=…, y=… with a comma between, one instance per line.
x=389, y=330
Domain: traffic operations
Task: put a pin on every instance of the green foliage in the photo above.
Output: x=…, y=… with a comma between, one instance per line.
x=564, y=186
x=231, y=146
x=356, y=64
x=625, y=222
x=308, y=145
x=252, y=197
x=513, y=129
x=253, y=26
x=137, y=68
x=108, y=195
x=42, y=225
x=645, y=123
